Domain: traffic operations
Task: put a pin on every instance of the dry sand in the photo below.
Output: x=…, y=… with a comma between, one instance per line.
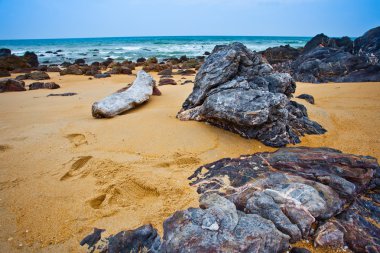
x=63, y=172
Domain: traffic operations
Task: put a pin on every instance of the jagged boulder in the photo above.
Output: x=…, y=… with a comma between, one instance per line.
x=280, y=54
x=235, y=89
x=120, y=102
x=369, y=44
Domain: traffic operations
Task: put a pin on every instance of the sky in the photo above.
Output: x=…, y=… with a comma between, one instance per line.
x=38, y=19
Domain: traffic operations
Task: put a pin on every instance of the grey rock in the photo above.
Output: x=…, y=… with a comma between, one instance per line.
x=307, y=97
x=117, y=103
x=41, y=85
x=9, y=84
x=235, y=89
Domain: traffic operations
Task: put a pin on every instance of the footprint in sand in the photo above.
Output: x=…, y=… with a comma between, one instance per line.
x=75, y=167
x=77, y=139
x=4, y=148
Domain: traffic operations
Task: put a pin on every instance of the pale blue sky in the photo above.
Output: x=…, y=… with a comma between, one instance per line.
x=21, y=19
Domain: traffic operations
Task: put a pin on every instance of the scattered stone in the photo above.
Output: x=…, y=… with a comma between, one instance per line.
x=8, y=84
x=186, y=72
x=307, y=97
x=156, y=91
x=72, y=70
x=167, y=81
x=53, y=69
x=80, y=62
x=187, y=81
x=237, y=90
x=121, y=70
x=207, y=53
x=328, y=235
x=105, y=75
x=165, y=72
x=40, y=85
x=117, y=103
x=140, y=60
x=67, y=94
x=37, y=75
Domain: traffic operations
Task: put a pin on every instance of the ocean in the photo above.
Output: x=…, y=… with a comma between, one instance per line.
x=131, y=48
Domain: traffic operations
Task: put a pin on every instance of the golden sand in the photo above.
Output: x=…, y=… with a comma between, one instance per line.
x=63, y=172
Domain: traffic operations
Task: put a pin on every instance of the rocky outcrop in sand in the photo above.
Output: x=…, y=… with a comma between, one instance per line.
x=117, y=103
x=238, y=91
x=41, y=85
x=325, y=59
x=264, y=202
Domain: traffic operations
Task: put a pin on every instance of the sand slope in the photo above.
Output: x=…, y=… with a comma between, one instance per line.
x=63, y=172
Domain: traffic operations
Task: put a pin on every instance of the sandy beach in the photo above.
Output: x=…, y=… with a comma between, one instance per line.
x=63, y=172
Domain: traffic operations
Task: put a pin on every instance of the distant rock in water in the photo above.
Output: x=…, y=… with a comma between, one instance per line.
x=120, y=102
x=325, y=59
x=266, y=201
x=5, y=52
x=235, y=89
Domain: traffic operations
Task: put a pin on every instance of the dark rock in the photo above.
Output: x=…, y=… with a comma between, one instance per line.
x=155, y=67
x=42, y=68
x=165, y=72
x=5, y=52
x=299, y=250
x=140, y=60
x=105, y=75
x=187, y=81
x=13, y=62
x=66, y=64
x=315, y=42
x=207, y=53
x=152, y=60
x=48, y=52
x=369, y=44
x=72, y=70
x=185, y=72
x=296, y=188
x=8, y=84
x=257, y=203
x=40, y=85
x=190, y=64
x=91, y=70
x=59, y=51
x=37, y=75
x=236, y=90
x=31, y=58
x=4, y=73
x=307, y=97
x=280, y=54
x=92, y=239
x=156, y=91
x=120, y=70
x=53, y=69
x=67, y=94
x=107, y=62
x=167, y=81
x=80, y=62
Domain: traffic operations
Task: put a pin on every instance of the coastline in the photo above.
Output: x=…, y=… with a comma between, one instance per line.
x=133, y=152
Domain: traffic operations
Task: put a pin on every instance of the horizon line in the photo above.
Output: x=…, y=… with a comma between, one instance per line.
x=171, y=36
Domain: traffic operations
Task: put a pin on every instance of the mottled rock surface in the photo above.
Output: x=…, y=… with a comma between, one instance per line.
x=41, y=85
x=325, y=59
x=235, y=89
x=117, y=103
x=264, y=202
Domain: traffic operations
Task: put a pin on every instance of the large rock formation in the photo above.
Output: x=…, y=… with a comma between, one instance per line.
x=117, y=103
x=237, y=90
x=325, y=59
x=264, y=202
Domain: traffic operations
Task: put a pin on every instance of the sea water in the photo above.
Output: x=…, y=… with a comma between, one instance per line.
x=131, y=48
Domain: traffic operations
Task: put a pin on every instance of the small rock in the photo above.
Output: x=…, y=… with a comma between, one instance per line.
x=167, y=81
x=307, y=97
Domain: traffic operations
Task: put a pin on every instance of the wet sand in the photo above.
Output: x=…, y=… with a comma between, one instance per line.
x=63, y=172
